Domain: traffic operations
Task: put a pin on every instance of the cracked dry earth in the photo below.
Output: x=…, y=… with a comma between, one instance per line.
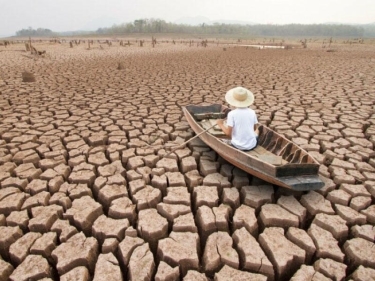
x=86, y=195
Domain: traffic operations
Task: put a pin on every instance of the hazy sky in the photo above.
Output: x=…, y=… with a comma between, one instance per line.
x=68, y=15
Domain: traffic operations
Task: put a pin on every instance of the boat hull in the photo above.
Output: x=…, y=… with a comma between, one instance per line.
x=310, y=180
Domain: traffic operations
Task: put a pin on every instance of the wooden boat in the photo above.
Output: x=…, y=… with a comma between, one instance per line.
x=275, y=159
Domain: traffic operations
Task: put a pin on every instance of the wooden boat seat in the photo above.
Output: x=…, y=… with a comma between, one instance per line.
x=208, y=115
x=267, y=156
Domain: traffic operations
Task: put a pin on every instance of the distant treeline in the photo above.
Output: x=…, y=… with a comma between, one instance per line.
x=257, y=30
x=35, y=32
x=291, y=30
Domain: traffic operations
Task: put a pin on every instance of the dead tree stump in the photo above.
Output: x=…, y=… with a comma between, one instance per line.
x=33, y=51
x=120, y=66
x=28, y=77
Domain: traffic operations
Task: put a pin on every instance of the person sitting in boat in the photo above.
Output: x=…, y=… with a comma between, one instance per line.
x=242, y=123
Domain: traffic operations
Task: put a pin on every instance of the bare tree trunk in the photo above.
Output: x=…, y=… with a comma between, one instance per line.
x=31, y=49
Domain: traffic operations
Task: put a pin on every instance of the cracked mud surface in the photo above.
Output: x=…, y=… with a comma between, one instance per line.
x=86, y=195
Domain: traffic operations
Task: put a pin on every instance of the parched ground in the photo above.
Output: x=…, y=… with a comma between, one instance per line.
x=85, y=193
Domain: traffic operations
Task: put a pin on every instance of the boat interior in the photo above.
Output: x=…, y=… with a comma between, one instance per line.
x=272, y=148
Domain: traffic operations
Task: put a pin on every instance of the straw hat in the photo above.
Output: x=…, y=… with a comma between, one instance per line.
x=239, y=97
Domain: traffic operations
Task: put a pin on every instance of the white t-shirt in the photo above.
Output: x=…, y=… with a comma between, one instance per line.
x=242, y=121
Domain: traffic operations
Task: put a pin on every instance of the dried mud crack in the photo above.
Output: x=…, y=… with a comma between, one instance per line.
x=86, y=194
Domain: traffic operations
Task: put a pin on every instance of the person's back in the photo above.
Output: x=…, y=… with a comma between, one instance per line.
x=242, y=121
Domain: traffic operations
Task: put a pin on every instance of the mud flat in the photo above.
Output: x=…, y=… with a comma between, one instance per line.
x=85, y=193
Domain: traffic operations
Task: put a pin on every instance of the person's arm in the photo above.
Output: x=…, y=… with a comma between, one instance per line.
x=256, y=125
x=226, y=129
x=256, y=129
